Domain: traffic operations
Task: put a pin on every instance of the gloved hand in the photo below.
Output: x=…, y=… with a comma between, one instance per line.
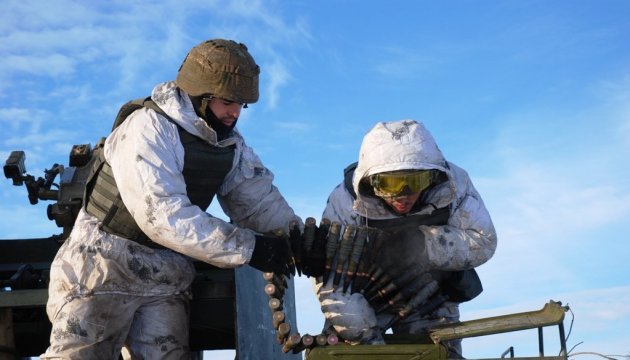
x=271, y=254
x=351, y=315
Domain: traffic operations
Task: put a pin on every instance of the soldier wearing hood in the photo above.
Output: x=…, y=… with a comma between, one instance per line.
x=123, y=276
x=433, y=230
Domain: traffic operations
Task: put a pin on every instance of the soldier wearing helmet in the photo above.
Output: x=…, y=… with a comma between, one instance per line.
x=123, y=276
x=432, y=231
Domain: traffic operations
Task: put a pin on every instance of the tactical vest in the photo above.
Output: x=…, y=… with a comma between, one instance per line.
x=459, y=286
x=205, y=168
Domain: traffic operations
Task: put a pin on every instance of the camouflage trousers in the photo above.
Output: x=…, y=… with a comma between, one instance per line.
x=98, y=326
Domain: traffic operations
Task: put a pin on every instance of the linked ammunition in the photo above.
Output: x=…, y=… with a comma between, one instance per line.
x=317, y=253
x=420, y=298
x=396, y=280
x=310, y=228
x=406, y=292
x=275, y=304
x=432, y=304
x=375, y=274
x=291, y=342
x=282, y=235
x=307, y=341
x=278, y=318
x=332, y=339
x=385, y=291
x=355, y=256
x=332, y=242
x=361, y=275
x=321, y=339
x=268, y=276
x=345, y=248
x=276, y=279
x=283, y=332
x=324, y=227
x=373, y=292
x=274, y=291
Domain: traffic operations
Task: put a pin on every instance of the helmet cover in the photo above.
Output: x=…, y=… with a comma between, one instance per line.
x=222, y=68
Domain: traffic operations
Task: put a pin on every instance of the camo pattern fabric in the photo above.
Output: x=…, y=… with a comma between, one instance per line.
x=467, y=240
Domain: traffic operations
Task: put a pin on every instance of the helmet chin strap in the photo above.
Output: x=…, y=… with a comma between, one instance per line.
x=202, y=108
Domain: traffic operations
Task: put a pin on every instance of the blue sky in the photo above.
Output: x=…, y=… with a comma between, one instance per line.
x=531, y=97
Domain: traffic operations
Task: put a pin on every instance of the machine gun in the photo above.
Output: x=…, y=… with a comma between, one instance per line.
x=67, y=193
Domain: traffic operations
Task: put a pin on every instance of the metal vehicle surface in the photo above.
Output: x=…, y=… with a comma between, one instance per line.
x=429, y=346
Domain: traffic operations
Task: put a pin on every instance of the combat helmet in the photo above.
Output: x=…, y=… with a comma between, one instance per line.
x=222, y=68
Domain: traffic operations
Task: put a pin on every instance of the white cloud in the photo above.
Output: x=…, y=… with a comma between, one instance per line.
x=278, y=77
x=107, y=43
x=559, y=198
x=36, y=15
x=31, y=129
x=16, y=119
x=48, y=65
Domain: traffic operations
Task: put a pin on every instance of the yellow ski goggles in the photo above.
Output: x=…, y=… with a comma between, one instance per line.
x=399, y=183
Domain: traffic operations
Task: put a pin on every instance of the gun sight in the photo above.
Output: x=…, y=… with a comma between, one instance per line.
x=14, y=167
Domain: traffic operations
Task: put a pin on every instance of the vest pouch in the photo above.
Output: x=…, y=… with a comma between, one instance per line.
x=462, y=286
x=105, y=204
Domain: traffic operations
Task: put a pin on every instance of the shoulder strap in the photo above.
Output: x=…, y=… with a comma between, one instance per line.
x=348, y=174
x=134, y=105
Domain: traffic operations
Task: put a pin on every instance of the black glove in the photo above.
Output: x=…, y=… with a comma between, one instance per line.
x=271, y=254
x=462, y=285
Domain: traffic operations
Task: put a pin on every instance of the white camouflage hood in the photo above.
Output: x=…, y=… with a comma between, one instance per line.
x=467, y=240
x=176, y=104
x=397, y=145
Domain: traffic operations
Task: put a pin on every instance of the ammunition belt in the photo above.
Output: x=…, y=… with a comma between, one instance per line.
x=276, y=285
x=384, y=264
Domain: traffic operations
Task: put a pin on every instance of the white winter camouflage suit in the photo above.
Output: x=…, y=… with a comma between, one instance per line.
x=467, y=241
x=106, y=290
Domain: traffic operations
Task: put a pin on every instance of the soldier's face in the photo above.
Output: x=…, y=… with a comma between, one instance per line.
x=402, y=204
x=226, y=111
